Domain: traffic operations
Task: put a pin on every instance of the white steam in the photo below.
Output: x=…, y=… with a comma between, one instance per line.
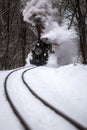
x=42, y=8
x=60, y=35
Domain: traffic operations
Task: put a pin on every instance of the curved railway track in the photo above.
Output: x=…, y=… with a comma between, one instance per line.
x=22, y=121
x=47, y=104
x=50, y=106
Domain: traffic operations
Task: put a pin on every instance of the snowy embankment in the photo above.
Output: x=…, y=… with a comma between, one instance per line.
x=8, y=121
x=64, y=87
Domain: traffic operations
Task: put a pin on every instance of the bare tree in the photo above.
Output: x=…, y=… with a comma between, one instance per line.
x=15, y=35
x=75, y=11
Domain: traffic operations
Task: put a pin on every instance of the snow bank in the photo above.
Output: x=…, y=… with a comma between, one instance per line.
x=64, y=87
x=8, y=121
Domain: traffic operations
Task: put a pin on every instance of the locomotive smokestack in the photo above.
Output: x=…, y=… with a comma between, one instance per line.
x=39, y=26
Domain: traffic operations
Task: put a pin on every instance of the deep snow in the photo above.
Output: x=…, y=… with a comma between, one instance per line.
x=8, y=121
x=64, y=87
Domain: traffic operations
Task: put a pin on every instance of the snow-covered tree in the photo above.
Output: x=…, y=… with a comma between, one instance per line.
x=75, y=11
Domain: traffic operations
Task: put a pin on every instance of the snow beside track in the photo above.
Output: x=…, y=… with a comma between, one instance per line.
x=64, y=87
x=36, y=115
x=8, y=121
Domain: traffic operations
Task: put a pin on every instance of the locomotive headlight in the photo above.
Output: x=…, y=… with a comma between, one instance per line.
x=45, y=54
x=38, y=44
x=38, y=51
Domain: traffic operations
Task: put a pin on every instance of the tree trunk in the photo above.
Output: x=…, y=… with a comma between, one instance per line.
x=82, y=31
x=23, y=40
x=6, y=56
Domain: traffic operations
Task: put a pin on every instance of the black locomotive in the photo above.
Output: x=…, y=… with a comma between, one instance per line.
x=40, y=53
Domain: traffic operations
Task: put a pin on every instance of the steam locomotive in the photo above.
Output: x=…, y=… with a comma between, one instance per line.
x=40, y=52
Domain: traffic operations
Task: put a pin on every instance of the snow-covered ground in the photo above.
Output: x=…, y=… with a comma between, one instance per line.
x=64, y=87
x=8, y=121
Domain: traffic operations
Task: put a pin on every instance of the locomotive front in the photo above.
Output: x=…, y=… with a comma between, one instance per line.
x=40, y=53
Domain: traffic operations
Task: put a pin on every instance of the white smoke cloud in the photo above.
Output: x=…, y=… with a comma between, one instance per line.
x=56, y=34
x=42, y=8
x=66, y=40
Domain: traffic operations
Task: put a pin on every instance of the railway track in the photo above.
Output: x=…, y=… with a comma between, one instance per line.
x=50, y=106
x=47, y=104
x=22, y=121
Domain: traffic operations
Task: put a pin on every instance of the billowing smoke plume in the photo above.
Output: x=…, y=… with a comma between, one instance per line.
x=39, y=8
x=65, y=39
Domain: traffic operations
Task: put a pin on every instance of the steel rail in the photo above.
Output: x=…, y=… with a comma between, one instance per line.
x=56, y=110
x=18, y=115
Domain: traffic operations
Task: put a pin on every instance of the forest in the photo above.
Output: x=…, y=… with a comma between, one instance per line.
x=17, y=36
